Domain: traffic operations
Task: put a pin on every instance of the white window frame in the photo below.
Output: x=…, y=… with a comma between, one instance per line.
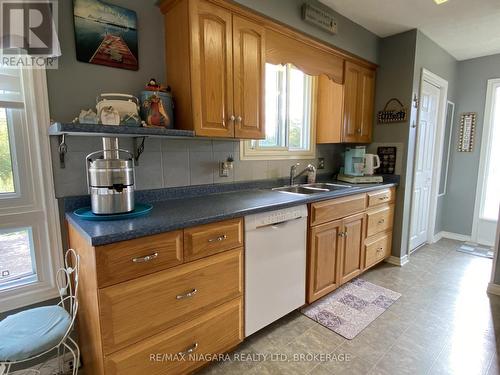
x=248, y=151
x=35, y=205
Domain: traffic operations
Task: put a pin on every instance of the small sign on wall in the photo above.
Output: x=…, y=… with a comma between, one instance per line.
x=467, y=130
x=398, y=113
x=319, y=17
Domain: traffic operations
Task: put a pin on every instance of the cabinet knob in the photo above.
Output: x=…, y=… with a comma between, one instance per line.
x=147, y=258
x=220, y=238
x=381, y=221
x=358, y=130
x=239, y=119
x=189, y=350
x=189, y=294
x=232, y=118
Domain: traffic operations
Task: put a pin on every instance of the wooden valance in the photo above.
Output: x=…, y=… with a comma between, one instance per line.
x=282, y=49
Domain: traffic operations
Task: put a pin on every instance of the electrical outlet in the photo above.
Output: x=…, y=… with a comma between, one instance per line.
x=321, y=163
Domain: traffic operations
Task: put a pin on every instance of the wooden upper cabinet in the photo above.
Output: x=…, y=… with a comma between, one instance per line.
x=215, y=66
x=249, y=78
x=359, y=89
x=212, y=70
x=330, y=103
x=325, y=243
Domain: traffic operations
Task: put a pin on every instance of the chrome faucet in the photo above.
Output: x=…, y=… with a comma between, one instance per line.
x=294, y=175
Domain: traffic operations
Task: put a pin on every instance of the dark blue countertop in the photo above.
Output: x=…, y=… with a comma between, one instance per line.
x=183, y=212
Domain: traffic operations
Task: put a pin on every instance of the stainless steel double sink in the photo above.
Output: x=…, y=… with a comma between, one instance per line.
x=317, y=188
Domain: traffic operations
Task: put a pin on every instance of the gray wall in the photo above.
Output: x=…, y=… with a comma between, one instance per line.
x=351, y=37
x=402, y=58
x=178, y=162
x=170, y=162
x=75, y=84
x=395, y=79
x=473, y=76
x=432, y=57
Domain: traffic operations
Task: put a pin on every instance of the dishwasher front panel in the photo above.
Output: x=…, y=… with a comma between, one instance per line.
x=275, y=268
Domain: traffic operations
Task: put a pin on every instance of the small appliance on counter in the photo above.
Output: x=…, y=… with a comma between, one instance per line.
x=110, y=179
x=372, y=162
x=357, y=163
x=354, y=161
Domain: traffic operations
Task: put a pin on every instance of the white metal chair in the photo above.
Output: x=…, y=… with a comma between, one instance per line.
x=34, y=333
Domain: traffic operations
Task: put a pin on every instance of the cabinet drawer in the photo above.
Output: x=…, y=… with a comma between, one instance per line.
x=139, y=308
x=378, y=197
x=209, y=239
x=377, y=248
x=213, y=333
x=323, y=212
x=127, y=260
x=379, y=219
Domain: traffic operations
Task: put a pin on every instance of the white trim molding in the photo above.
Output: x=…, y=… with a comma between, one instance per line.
x=442, y=85
x=397, y=261
x=451, y=236
x=493, y=289
x=484, y=152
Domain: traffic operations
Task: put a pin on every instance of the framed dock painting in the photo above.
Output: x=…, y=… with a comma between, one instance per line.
x=105, y=34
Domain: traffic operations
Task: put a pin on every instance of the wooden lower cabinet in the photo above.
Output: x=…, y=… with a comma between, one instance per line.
x=351, y=256
x=183, y=348
x=324, y=246
x=172, y=305
x=345, y=239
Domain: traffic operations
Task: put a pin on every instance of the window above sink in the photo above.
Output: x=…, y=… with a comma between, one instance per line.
x=289, y=116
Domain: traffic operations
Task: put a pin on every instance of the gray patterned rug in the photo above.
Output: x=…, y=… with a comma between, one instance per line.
x=478, y=250
x=351, y=308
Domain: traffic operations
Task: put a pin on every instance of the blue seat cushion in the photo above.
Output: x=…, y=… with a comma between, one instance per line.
x=31, y=332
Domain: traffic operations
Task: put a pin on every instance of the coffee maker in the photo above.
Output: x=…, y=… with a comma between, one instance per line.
x=354, y=161
x=110, y=179
x=355, y=167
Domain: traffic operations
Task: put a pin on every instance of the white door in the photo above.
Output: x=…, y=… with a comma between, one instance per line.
x=488, y=191
x=424, y=161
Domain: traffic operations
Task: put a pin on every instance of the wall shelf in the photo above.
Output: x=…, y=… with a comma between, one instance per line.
x=138, y=133
x=98, y=130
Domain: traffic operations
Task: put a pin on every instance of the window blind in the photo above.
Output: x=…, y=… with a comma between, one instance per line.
x=11, y=93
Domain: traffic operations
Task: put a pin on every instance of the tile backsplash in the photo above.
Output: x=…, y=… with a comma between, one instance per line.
x=178, y=162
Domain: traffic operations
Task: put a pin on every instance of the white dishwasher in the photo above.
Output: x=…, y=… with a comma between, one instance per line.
x=275, y=265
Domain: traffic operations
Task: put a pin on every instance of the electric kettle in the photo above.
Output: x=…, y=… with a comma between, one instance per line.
x=372, y=162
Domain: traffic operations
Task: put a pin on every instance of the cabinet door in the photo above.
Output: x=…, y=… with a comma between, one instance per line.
x=324, y=247
x=212, y=70
x=359, y=89
x=249, y=78
x=351, y=257
x=330, y=104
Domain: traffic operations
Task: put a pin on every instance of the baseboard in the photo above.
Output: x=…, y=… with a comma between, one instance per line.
x=493, y=289
x=397, y=261
x=437, y=237
x=451, y=236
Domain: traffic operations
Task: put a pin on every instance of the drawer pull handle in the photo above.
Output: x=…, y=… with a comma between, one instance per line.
x=189, y=350
x=187, y=295
x=220, y=238
x=381, y=221
x=145, y=259
x=385, y=197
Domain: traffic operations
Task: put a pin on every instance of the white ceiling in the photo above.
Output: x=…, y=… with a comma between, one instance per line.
x=465, y=28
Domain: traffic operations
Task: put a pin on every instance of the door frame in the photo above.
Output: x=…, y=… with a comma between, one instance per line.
x=442, y=85
x=484, y=152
